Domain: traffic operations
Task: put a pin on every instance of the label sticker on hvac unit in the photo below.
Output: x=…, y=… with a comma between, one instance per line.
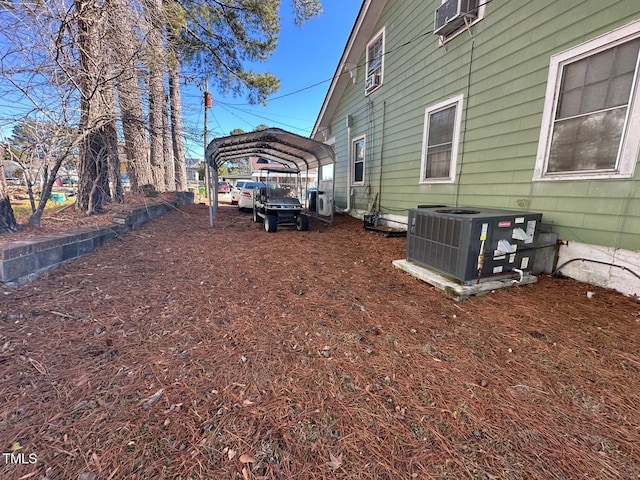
x=497, y=269
x=483, y=234
x=504, y=223
x=524, y=263
x=519, y=220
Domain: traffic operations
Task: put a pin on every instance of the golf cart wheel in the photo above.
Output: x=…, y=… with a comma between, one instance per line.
x=302, y=223
x=271, y=223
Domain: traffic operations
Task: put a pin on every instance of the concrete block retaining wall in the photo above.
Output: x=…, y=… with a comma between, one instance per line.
x=23, y=261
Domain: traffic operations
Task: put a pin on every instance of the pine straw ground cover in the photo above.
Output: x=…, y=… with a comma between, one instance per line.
x=178, y=351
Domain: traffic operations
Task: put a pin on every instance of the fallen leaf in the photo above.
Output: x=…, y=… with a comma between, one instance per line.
x=153, y=399
x=231, y=453
x=244, y=458
x=336, y=462
x=38, y=366
x=96, y=460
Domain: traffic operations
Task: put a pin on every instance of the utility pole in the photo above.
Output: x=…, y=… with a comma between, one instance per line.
x=208, y=102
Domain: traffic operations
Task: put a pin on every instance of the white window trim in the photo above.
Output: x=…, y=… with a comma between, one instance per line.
x=380, y=34
x=630, y=144
x=447, y=38
x=352, y=160
x=458, y=102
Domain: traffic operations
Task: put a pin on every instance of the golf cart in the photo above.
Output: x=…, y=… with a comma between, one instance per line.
x=278, y=202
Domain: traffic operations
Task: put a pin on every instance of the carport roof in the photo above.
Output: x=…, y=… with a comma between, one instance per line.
x=275, y=144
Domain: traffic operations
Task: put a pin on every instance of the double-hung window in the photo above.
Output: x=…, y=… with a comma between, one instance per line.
x=440, y=141
x=591, y=118
x=357, y=161
x=375, y=63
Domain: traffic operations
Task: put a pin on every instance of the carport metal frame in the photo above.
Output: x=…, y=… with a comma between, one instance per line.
x=286, y=148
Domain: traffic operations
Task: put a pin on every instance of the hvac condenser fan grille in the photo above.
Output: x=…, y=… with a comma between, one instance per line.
x=435, y=241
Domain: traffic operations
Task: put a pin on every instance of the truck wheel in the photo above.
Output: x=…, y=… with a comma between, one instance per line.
x=302, y=223
x=271, y=223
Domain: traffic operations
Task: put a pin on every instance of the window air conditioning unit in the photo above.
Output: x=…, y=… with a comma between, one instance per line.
x=372, y=81
x=475, y=244
x=452, y=14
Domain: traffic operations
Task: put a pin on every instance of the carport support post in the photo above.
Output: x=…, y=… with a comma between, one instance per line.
x=209, y=193
x=214, y=186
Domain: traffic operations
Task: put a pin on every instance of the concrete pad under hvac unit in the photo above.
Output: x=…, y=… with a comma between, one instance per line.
x=454, y=289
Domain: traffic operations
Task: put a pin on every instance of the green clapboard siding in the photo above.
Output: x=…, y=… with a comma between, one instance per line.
x=502, y=72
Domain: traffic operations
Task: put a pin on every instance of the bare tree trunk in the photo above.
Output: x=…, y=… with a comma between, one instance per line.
x=35, y=220
x=169, y=165
x=156, y=137
x=179, y=160
x=93, y=186
x=7, y=219
x=157, y=98
x=114, y=181
x=113, y=166
x=125, y=54
x=49, y=176
x=94, y=166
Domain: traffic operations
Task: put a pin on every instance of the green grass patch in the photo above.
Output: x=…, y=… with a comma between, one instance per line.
x=22, y=209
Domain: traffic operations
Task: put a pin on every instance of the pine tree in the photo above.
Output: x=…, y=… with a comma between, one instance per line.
x=95, y=53
x=126, y=55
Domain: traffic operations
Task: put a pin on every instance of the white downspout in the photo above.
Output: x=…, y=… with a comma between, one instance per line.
x=347, y=209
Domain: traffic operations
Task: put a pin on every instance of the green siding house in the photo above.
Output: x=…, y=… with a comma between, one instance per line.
x=502, y=104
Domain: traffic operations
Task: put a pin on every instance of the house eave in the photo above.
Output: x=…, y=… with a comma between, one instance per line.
x=362, y=29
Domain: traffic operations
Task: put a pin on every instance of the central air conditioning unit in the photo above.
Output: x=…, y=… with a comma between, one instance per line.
x=473, y=245
x=452, y=14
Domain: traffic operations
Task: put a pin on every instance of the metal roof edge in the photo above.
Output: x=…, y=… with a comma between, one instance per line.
x=280, y=145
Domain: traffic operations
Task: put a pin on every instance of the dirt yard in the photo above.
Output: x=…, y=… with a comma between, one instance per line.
x=178, y=351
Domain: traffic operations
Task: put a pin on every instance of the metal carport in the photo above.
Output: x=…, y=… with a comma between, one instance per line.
x=274, y=144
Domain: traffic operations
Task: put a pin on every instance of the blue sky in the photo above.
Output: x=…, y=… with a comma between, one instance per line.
x=305, y=56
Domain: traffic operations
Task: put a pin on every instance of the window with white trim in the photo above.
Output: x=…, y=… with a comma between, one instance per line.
x=357, y=161
x=440, y=141
x=592, y=114
x=375, y=63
